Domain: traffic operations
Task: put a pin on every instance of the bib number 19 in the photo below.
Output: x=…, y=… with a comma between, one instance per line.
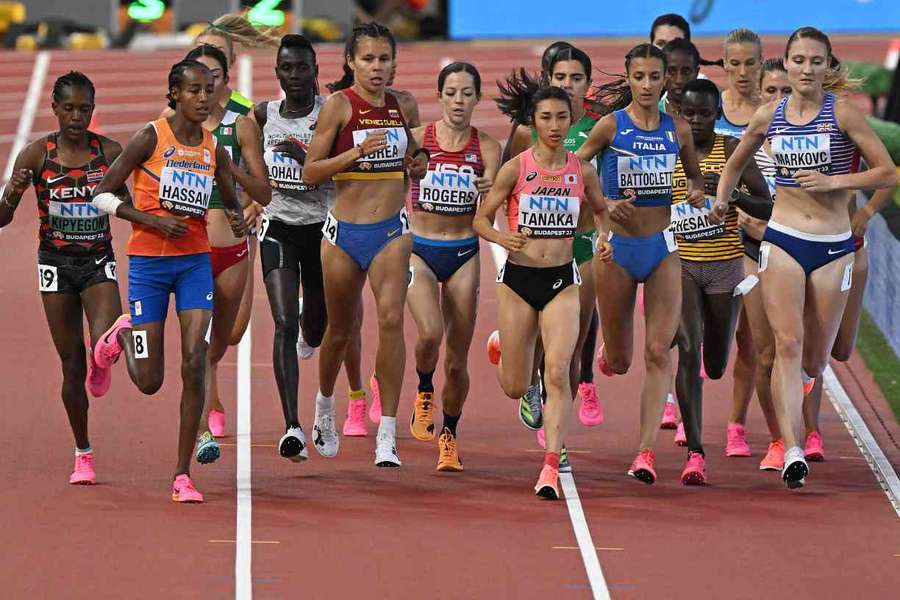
x=48, y=280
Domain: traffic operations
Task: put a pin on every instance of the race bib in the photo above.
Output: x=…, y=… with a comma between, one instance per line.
x=330, y=228
x=183, y=192
x=649, y=176
x=548, y=216
x=263, y=228
x=286, y=174
x=77, y=221
x=48, y=280
x=449, y=189
x=388, y=159
x=692, y=224
x=110, y=270
x=792, y=153
x=141, y=347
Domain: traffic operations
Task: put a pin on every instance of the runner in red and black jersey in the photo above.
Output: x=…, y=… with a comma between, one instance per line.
x=76, y=265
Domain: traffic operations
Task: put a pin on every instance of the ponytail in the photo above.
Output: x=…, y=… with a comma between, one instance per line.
x=237, y=29
x=516, y=93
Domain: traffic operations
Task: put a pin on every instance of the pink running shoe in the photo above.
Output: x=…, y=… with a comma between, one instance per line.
x=736, y=441
x=774, y=458
x=84, y=470
x=642, y=467
x=680, y=435
x=815, y=450
x=541, y=438
x=670, y=416
x=355, y=423
x=694, y=470
x=375, y=407
x=493, y=347
x=98, y=379
x=216, y=422
x=602, y=365
x=107, y=349
x=183, y=490
x=591, y=411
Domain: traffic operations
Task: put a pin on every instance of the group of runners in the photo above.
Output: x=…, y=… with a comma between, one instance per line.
x=656, y=189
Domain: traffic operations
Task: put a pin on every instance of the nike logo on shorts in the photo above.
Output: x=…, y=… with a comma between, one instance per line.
x=832, y=252
x=393, y=233
x=241, y=253
x=100, y=260
x=464, y=252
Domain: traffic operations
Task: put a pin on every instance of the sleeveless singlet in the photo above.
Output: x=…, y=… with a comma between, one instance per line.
x=698, y=239
x=69, y=223
x=448, y=187
x=545, y=204
x=293, y=202
x=226, y=136
x=819, y=145
x=238, y=103
x=640, y=163
x=366, y=118
x=176, y=180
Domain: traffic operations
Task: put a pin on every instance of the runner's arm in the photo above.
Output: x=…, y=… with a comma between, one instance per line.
x=26, y=168
x=254, y=180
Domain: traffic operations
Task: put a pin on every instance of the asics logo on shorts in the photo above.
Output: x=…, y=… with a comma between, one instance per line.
x=557, y=284
x=209, y=296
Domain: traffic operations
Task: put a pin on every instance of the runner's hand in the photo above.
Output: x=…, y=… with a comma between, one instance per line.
x=718, y=212
x=373, y=143
x=859, y=224
x=19, y=182
x=604, y=251
x=236, y=220
x=696, y=198
x=813, y=181
x=252, y=212
x=513, y=242
x=484, y=184
x=294, y=149
x=418, y=166
x=751, y=225
x=621, y=211
x=172, y=227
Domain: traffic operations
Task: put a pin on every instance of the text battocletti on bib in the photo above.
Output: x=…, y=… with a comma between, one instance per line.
x=648, y=176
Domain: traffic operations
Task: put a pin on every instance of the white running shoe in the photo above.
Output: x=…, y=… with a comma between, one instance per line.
x=325, y=436
x=293, y=445
x=304, y=350
x=386, y=451
x=795, y=468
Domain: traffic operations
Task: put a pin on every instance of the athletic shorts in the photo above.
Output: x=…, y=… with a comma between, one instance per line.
x=294, y=247
x=811, y=251
x=445, y=257
x=152, y=278
x=71, y=273
x=224, y=257
x=751, y=246
x=583, y=246
x=363, y=242
x=640, y=256
x=538, y=286
x=713, y=276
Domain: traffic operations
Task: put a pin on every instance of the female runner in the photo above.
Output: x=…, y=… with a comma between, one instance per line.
x=174, y=162
x=445, y=266
x=639, y=147
x=807, y=250
x=76, y=265
x=291, y=230
x=362, y=141
x=683, y=66
x=570, y=69
x=711, y=266
x=225, y=33
x=544, y=188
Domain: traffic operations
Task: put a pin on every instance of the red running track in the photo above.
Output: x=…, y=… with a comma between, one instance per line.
x=332, y=529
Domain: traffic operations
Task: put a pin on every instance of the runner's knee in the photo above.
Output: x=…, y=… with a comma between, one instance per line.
x=656, y=355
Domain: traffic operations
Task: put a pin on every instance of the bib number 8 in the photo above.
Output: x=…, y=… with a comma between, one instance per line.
x=48, y=280
x=330, y=228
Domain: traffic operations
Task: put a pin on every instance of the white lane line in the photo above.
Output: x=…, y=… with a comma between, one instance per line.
x=243, y=557
x=26, y=119
x=878, y=462
x=599, y=589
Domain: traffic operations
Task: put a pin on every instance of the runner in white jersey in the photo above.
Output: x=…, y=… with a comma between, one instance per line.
x=290, y=233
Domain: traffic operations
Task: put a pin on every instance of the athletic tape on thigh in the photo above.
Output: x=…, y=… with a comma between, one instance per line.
x=764, y=256
x=847, y=279
x=744, y=287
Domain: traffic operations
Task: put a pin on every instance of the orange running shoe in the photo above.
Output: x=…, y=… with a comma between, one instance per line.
x=493, y=347
x=774, y=458
x=448, y=457
x=421, y=424
x=548, y=484
x=642, y=467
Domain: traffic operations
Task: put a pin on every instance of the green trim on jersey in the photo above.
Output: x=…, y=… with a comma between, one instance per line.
x=239, y=103
x=226, y=136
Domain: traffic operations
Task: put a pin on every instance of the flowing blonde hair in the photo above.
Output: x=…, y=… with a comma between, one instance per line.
x=235, y=28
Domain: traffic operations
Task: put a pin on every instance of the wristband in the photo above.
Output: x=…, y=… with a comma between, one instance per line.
x=107, y=202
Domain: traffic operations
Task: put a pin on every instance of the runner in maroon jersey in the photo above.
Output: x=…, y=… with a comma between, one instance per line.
x=76, y=265
x=445, y=266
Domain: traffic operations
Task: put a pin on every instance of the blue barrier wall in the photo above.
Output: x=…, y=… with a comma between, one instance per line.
x=573, y=18
x=882, y=298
